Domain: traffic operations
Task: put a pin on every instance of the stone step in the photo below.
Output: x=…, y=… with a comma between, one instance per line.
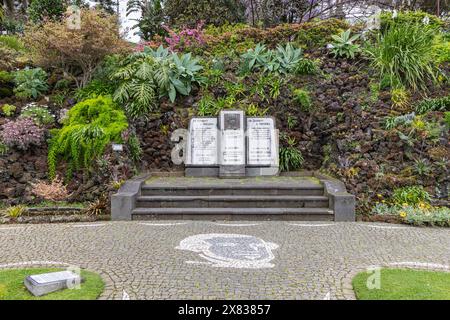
x=244, y=190
x=233, y=201
x=315, y=214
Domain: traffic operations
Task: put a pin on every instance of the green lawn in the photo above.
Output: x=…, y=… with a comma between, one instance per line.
x=12, y=287
x=404, y=284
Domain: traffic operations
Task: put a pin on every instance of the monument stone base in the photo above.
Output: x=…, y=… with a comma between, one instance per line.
x=201, y=171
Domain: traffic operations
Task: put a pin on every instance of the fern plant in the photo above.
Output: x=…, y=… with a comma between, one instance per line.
x=91, y=125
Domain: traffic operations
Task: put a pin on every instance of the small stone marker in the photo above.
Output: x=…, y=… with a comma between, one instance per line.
x=45, y=283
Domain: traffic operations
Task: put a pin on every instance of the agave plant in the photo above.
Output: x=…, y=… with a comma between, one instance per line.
x=257, y=57
x=282, y=60
x=344, y=45
x=288, y=57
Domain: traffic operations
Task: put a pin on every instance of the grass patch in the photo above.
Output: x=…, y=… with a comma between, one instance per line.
x=12, y=287
x=56, y=204
x=404, y=284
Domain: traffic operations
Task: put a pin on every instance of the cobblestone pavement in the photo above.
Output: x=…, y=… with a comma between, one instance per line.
x=309, y=261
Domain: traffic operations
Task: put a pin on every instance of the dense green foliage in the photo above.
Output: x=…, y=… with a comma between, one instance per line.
x=91, y=126
x=151, y=20
x=145, y=76
x=411, y=195
x=46, y=9
x=404, y=55
x=30, y=83
x=189, y=12
x=437, y=104
x=410, y=17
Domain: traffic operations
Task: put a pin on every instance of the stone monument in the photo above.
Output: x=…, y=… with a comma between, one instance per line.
x=230, y=146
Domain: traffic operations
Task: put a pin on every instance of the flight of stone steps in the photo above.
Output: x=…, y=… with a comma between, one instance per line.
x=262, y=198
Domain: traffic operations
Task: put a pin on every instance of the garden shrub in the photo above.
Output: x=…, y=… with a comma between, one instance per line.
x=441, y=49
x=22, y=134
x=185, y=38
x=8, y=109
x=77, y=53
x=411, y=195
x=30, y=83
x=91, y=126
x=8, y=62
x=408, y=18
x=437, y=104
x=404, y=56
x=317, y=33
x=39, y=114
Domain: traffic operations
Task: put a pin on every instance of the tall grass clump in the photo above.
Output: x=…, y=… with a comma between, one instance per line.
x=403, y=55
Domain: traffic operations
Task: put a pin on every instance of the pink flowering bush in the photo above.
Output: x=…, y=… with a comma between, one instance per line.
x=22, y=134
x=179, y=40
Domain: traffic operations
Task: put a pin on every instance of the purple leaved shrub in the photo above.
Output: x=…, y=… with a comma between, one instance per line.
x=22, y=134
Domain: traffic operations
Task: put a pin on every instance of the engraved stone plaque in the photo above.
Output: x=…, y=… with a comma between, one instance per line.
x=42, y=284
x=261, y=145
x=202, y=142
x=232, y=138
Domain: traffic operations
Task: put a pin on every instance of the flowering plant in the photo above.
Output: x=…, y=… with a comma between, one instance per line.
x=22, y=134
x=178, y=41
x=39, y=114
